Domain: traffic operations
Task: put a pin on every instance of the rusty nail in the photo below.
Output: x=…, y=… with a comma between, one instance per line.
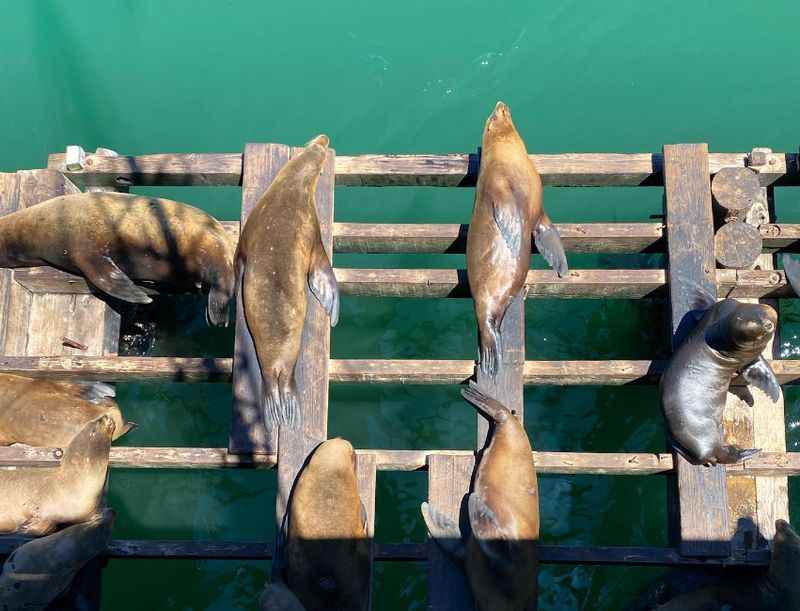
x=72, y=343
x=58, y=453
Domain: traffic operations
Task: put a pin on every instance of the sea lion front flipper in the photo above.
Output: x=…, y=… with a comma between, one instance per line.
x=323, y=283
x=508, y=221
x=548, y=243
x=109, y=278
x=444, y=531
x=760, y=374
x=791, y=268
x=492, y=538
x=96, y=392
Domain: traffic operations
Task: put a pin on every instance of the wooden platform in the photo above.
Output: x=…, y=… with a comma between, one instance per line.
x=721, y=516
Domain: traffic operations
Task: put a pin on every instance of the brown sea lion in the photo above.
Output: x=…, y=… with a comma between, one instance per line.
x=37, y=572
x=325, y=553
x=499, y=553
x=49, y=413
x=114, y=238
x=280, y=257
x=508, y=209
x=776, y=590
x=728, y=338
x=37, y=500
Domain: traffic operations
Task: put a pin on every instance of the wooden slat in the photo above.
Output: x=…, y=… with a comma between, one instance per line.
x=452, y=283
x=448, y=481
x=20, y=455
x=367, y=481
x=702, y=503
x=567, y=169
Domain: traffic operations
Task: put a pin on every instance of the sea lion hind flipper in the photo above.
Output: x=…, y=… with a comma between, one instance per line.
x=548, y=243
x=730, y=455
x=444, y=531
x=103, y=273
x=491, y=350
x=791, y=267
x=280, y=408
x=760, y=374
x=493, y=539
x=217, y=307
x=323, y=284
x=508, y=221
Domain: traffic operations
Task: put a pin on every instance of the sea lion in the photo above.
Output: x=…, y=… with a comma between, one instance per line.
x=776, y=590
x=49, y=413
x=113, y=238
x=729, y=337
x=324, y=552
x=278, y=597
x=499, y=553
x=37, y=500
x=280, y=256
x=508, y=209
x=37, y=572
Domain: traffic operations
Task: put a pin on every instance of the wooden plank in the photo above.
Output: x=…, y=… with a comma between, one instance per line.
x=566, y=169
x=9, y=194
x=702, y=527
x=21, y=455
x=367, y=480
x=448, y=482
x=452, y=283
x=247, y=434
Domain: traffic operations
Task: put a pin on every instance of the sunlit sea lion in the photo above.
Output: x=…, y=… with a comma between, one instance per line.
x=500, y=552
x=37, y=572
x=508, y=208
x=280, y=257
x=37, y=500
x=729, y=338
x=49, y=413
x=776, y=590
x=326, y=553
x=114, y=238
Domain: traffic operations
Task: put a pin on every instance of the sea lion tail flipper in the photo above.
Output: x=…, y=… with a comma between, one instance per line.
x=109, y=278
x=96, y=392
x=730, y=455
x=791, y=268
x=444, y=531
x=491, y=408
x=490, y=535
x=217, y=307
x=760, y=374
x=280, y=407
x=548, y=242
x=323, y=284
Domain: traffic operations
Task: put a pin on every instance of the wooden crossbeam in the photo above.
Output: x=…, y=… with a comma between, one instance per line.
x=566, y=169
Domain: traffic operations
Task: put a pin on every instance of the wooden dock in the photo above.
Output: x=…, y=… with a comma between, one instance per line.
x=719, y=516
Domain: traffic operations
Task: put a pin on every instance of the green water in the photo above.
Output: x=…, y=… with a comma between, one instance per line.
x=410, y=77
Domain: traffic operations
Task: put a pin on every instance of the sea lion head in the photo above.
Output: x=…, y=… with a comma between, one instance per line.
x=335, y=454
x=752, y=325
x=91, y=444
x=784, y=567
x=499, y=124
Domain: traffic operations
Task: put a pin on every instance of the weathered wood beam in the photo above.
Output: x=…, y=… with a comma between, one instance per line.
x=567, y=169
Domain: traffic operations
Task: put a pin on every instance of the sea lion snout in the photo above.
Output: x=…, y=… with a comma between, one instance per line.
x=321, y=140
x=501, y=116
x=105, y=425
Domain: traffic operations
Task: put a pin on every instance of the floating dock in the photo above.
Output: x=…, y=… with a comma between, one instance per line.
x=718, y=516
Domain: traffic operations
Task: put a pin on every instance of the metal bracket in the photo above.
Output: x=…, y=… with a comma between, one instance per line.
x=74, y=158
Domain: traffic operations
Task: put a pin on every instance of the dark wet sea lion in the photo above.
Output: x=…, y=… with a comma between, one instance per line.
x=499, y=553
x=114, y=238
x=508, y=209
x=775, y=590
x=37, y=500
x=278, y=597
x=325, y=552
x=37, y=572
x=49, y=413
x=281, y=256
x=729, y=338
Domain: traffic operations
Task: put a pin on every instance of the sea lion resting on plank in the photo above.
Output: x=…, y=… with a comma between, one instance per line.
x=49, y=413
x=499, y=553
x=323, y=556
x=728, y=338
x=280, y=257
x=113, y=239
x=508, y=209
x=38, y=500
x=37, y=572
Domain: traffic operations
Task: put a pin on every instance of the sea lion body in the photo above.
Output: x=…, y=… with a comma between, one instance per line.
x=35, y=501
x=507, y=212
x=729, y=337
x=327, y=552
x=37, y=572
x=280, y=256
x=115, y=238
x=500, y=554
x=49, y=413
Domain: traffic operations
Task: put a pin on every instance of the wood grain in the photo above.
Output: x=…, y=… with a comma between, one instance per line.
x=702, y=501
